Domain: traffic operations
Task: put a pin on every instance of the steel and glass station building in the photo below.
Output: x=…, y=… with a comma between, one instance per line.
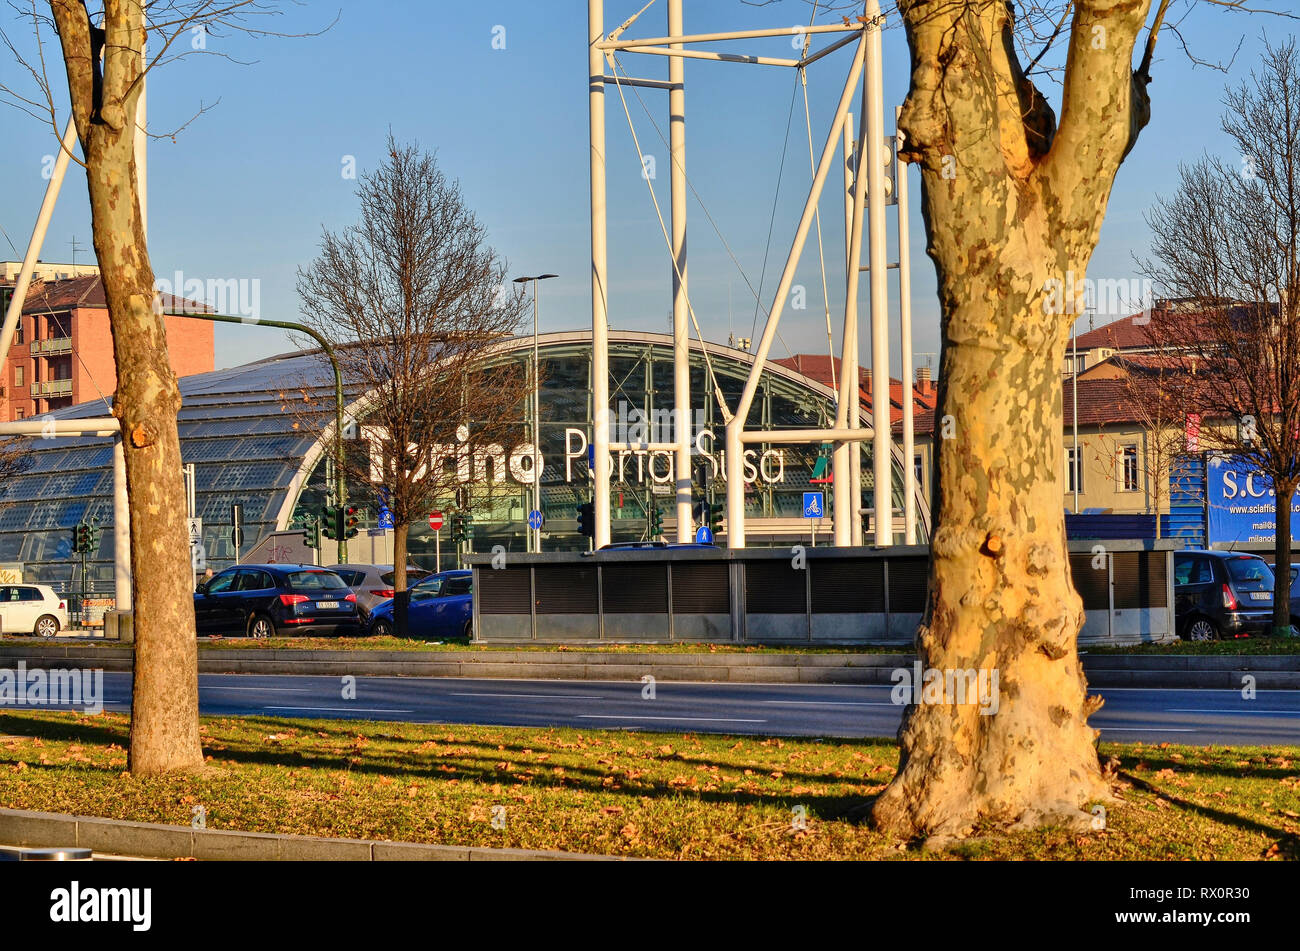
x=242, y=430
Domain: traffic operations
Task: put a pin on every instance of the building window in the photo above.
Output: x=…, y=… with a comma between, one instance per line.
x=1128, y=469
x=1074, y=469
x=19, y=412
x=918, y=469
x=19, y=374
x=18, y=331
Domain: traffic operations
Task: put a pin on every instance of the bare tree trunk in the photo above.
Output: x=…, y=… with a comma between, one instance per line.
x=1002, y=598
x=401, y=596
x=1013, y=208
x=1282, y=562
x=165, y=695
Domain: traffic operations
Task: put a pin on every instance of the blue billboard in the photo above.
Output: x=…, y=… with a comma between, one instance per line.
x=1240, y=503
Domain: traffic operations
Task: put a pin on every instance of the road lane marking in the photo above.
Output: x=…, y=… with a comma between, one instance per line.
x=527, y=696
x=346, y=709
x=602, y=716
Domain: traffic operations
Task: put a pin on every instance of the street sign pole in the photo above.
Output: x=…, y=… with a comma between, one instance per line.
x=435, y=523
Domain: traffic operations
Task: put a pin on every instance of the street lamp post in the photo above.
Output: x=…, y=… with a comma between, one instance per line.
x=537, y=412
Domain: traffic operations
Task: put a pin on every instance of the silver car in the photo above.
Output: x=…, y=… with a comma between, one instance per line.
x=373, y=584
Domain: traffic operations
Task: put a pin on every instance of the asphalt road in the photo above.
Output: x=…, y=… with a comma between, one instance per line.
x=1197, y=717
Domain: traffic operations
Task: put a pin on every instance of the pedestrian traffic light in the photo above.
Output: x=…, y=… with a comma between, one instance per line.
x=587, y=519
x=329, y=521
x=311, y=533
x=349, y=519
x=656, y=522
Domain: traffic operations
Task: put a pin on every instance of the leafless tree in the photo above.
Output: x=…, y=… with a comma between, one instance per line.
x=102, y=45
x=1148, y=396
x=1229, y=241
x=415, y=302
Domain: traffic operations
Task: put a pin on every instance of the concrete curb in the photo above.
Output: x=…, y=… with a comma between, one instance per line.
x=20, y=827
x=1271, y=672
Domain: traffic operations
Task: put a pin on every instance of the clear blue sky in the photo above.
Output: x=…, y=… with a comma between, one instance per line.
x=244, y=191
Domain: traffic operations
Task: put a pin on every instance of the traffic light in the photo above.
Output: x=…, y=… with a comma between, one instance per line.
x=93, y=538
x=349, y=519
x=458, y=528
x=329, y=521
x=81, y=538
x=587, y=519
x=656, y=522
x=311, y=533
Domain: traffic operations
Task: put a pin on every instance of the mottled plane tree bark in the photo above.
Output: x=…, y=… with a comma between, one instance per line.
x=1013, y=203
x=102, y=48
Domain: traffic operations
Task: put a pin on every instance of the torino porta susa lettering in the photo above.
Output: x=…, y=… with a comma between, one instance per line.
x=521, y=463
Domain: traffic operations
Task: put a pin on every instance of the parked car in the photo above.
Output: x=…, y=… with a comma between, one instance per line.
x=32, y=609
x=442, y=606
x=262, y=600
x=1221, y=594
x=373, y=584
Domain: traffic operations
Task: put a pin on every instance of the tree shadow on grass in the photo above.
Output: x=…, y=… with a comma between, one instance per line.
x=64, y=729
x=1288, y=842
x=477, y=766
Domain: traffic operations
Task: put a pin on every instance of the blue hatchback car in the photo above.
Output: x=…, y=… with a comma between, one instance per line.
x=442, y=606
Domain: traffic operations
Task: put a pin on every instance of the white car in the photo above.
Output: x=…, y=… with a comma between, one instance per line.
x=31, y=609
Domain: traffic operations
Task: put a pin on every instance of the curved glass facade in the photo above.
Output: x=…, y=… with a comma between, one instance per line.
x=247, y=445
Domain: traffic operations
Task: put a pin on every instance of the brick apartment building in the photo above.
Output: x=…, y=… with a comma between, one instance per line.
x=62, y=350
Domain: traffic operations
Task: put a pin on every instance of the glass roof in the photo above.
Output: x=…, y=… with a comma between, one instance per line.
x=239, y=428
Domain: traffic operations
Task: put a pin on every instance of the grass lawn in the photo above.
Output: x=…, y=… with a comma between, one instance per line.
x=1232, y=648
x=658, y=795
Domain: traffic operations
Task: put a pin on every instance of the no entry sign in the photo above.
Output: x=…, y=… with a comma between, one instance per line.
x=435, y=520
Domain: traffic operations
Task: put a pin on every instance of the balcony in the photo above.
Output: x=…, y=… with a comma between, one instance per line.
x=51, y=346
x=52, y=388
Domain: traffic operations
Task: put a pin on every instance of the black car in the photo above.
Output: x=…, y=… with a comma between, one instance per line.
x=1221, y=594
x=262, y=600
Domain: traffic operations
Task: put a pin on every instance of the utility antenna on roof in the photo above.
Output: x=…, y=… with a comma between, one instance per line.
x=75, y=248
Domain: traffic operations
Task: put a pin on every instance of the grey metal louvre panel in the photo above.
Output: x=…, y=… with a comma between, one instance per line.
x=847, y=587
x=563, y=589
x=775, y=587
x=908, y=580
x=635, y=588
x=1093, y=584
x=504, y=591
x=700, y=588
x=1140, y=579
